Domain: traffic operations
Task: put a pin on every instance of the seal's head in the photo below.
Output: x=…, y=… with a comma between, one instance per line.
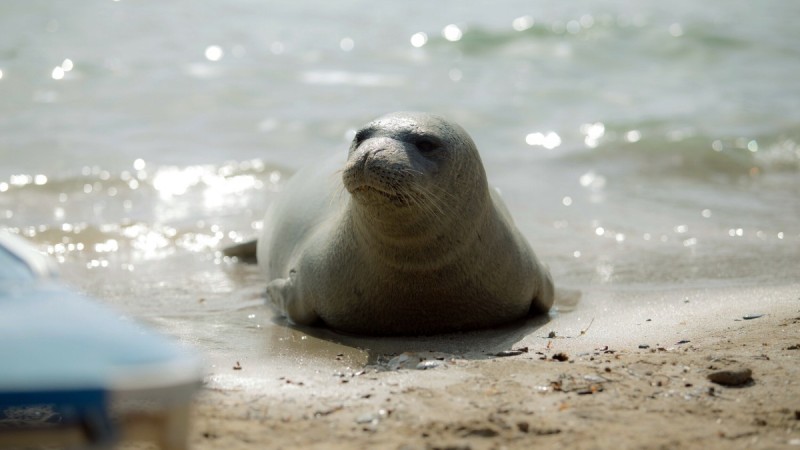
x=408, y=162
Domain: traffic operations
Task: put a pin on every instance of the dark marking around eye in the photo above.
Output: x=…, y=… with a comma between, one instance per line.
x=362, y=135
x=426, y=144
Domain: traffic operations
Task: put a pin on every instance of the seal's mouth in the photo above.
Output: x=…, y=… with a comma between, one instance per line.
x=372, y=192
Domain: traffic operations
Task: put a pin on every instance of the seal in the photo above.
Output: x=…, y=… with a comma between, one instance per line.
x=407, y=239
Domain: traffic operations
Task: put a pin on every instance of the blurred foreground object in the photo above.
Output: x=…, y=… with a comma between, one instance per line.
x=75, y=374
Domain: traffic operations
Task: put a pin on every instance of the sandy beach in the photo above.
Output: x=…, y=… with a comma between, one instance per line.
x=638, y=379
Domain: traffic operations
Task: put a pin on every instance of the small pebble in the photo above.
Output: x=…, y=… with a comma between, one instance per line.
x=594, y=379
x=430, y=364
x=372, y=418
x=644, y=346
x=733, y=377
x=368, y=418
x=752, y=316
x=509, y=353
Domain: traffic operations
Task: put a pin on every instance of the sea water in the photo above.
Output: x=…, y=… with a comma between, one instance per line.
x=639, y=145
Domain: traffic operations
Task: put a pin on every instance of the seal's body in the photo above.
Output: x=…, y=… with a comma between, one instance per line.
x=407, y=239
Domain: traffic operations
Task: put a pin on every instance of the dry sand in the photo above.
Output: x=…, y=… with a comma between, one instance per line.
x=592, y=378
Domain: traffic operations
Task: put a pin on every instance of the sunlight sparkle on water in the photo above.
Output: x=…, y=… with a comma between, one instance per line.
x=20, y=180
x=736, y=232
x=275, y=177
x=549, y=141
x=109, y=246
x=95, y=263
x=593, y=132
x=214, y=53
x=522, y=23
x=419, y=39
x=220, y=190
x=452, y=33
x=633, y=136
x=592, y=180
x=218, y=186
x=172, y=181
x=147, y=243
x=199, y=242
x=61, y=70
x=346, y=44
x=57, y=73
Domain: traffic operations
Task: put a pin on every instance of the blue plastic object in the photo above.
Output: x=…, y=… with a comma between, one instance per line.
x=65, y=357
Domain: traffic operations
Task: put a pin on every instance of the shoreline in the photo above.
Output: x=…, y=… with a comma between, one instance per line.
x=607, y=392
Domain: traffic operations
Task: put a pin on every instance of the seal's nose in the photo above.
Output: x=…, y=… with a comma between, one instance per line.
x=380, y=148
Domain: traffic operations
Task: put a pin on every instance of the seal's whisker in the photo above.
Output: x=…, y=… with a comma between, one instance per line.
x=445, y=193
x=434, y=202
x=445, y=200
x=430, y=203
x=338, y=193
x=440, y=190
x=428, y=209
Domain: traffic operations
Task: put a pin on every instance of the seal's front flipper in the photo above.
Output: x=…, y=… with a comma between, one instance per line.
x=246, y=251
x=282, y=295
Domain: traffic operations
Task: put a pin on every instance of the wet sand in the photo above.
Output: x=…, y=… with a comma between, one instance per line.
x=596, y=377
x=603, y=399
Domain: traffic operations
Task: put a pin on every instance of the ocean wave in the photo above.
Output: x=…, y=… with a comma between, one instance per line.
x=691, y=154
x=624, y=36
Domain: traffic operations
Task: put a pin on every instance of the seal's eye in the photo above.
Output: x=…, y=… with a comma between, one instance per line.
x=361, y=136
x=426, y=144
